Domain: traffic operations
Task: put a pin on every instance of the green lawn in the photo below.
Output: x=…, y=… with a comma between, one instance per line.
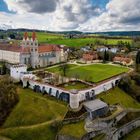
x=117, y=96
x=134, y=135
x=75, y=129
x=94, y=73
x=32, y=117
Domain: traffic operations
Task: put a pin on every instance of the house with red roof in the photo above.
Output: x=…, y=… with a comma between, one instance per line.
x=29, y=52
x=90, y=56
x=123, y=60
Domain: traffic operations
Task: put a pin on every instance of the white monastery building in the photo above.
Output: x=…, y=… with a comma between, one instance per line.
x=32, y=54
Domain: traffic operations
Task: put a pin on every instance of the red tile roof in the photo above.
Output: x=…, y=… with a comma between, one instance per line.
x=48, y=48
x=90, y=56
x=122, y=59
x=16, y=48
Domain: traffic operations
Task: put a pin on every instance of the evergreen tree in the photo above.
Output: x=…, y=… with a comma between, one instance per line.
x=138, y=61
x=106, y=56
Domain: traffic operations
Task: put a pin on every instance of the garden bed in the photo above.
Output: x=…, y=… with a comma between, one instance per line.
x=74, y=85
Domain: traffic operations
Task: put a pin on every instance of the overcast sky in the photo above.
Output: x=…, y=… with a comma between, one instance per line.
x=82, y=15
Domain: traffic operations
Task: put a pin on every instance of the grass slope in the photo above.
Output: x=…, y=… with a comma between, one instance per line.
x=75, y=129
x=31, y=119
x=117, y=96
x=94, y=73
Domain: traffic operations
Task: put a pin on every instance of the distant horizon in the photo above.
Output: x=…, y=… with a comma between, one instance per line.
x=69, y=30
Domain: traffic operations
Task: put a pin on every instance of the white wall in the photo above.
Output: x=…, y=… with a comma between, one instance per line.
x=81, y=95
x=15, y=71
x=9, y=56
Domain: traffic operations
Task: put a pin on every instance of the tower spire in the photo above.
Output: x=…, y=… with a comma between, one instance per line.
x=25, y=35
x=33, y=36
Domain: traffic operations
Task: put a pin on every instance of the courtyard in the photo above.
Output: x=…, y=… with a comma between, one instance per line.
x=93, y=73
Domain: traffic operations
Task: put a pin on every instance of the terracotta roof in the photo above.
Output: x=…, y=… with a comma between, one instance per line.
x=17, y=48
x=14, y=48
x=10, y=47
x=122, y=59
x=48, y=48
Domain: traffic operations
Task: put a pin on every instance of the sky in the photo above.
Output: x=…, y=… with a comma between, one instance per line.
x=65, y=15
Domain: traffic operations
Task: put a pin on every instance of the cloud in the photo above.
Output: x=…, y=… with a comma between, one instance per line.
x=65, y=14
x=34, y=6
x=119, y=15
x=73, y=15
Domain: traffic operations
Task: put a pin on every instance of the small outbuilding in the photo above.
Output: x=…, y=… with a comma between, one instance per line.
x=96, y=108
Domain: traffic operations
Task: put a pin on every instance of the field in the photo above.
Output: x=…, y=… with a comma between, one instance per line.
x=94, y=73
x=33, y=116
x=117, y=96
x=77, y=43
x=46, y=37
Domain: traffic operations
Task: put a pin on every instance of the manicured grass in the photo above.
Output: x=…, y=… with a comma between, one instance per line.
x=33, y=116
x=94, y=73
x=75, y=129
x=77, y=43
x=117, y=96
x=33, y=109
x=134, y=135
x=74, y=85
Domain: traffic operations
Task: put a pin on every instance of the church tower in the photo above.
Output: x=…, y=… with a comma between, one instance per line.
x=34, y=51
x=25, y=42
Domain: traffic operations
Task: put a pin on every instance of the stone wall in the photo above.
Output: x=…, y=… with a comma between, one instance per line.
x=122, y=131
x=74, y=99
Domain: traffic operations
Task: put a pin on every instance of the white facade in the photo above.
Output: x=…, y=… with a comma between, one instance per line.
x=10, y=56
x=32, y=54
x=16, y=70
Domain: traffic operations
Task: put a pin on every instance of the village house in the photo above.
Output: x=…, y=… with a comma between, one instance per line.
x=32, y=54
x=90, y=56
x=126, y=61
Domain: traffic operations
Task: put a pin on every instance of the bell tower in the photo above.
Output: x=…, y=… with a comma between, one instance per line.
x=25, y=42
x=34, y=51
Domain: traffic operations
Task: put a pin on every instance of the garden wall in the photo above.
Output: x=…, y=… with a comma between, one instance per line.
x=65, y=95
